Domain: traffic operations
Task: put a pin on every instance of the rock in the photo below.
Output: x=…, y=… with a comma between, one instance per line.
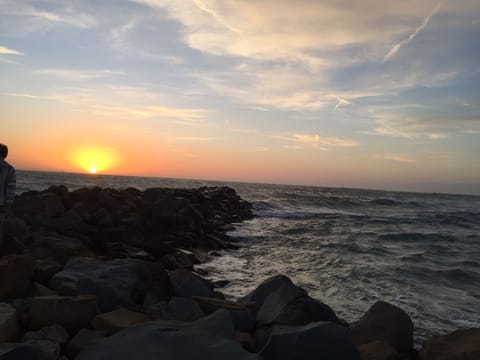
x=117, y=320
x=387, y=323
x=55, y=333
x=16, y=272
x=178, y=260
x=278, y=301
x=178, y=308
x=45, y=269
x=459, y=345
x=40, y=290
x=51, y=204
x=320, y=340
x=240, y=312
x=246, y=340
x=59, y=248
x=378, y=350
x=17, y=351
x=15, y=227
x=46, y=349
x=8, y=323
x=83, y=338
x=111, y=281
x=67, y=288
x=187, y=284
x=152, y=285
x=71, y=312
x=210, y=338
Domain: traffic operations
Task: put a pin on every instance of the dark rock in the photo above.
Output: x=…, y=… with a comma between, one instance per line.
x=187, y=284
x=178, y=308
x=16, y=272
x=386, y=323
x=152, y=284
x=17, y=351
x=71, y=312
x=304, y=310
x=8, y=323
x=320, y=340
x=45, y=269
x=111, y=281
x=211, y=338
x=459, y=345
x=46, y=349
x=59, y=248
x=55, y=333
x=117, y=320
x=378, y=350
x=82, y=339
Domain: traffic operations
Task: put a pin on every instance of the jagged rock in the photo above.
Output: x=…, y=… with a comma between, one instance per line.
x=40, y=290
x=83, y=338
x=387, y=323
x=8, y=323
x=111, y=281
x=16, y=272
x=19, y=351
x=45, y=269
x=59, y=248
x=278, y=301
x=71, y=312
x=210, y=338
x=55, y=333
x=320, y=340
x=459, y=345
x=187, y=284
x=178, y=308
x=378, y=350
x=117, y=320
x=241, y=313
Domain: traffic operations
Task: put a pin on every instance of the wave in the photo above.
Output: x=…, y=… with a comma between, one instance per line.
x=418, y=237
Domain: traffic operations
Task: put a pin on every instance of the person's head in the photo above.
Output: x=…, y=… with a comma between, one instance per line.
x=3, y=151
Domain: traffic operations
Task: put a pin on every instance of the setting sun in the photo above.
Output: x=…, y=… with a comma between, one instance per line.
x=94, y=159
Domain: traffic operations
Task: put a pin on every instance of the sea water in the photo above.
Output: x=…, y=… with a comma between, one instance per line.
x=346, y=247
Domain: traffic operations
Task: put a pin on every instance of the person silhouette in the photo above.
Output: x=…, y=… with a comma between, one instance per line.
x=8, y=182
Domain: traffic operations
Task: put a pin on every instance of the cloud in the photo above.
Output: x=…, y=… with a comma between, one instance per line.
x=313, y=141
x=78, y=75
x=412, y=36
x=402, y=158
x=6, y=51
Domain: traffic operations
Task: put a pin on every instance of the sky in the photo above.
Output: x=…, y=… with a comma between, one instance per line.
x=371, y=93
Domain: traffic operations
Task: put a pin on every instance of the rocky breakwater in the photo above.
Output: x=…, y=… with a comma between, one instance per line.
x=99, y=274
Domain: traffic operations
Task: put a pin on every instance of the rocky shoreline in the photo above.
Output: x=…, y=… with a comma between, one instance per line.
x=109, y=274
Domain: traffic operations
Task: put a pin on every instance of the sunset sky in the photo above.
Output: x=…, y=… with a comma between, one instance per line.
x=357, y=93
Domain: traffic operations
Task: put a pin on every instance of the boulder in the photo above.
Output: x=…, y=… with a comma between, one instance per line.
x=15, y=227
x=210, y=338
x=319, y=340
x=16, y=272
x=378, y=350
x=71, y=312
x=83, y=338
x=45, y=269
x=8, y=323
x=110, y=281
x=19, y=351
x=278, y=301
x=59, y=248
x=187, y=284
x=46, y=349
x=116, y=320
x=152, y=284
x=386, y=323
x=40, y=290
x=459, y=345
x=178, y=308
x=54, y=333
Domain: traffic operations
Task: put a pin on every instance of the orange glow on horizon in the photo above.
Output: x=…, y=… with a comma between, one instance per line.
x=94, y=159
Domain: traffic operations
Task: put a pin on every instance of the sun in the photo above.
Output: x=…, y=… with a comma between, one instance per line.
x=94, y=159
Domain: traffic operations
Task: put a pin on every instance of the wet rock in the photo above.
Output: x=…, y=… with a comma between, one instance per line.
x=386, y=323
x=211, y=338
x=178, y=308
x=110, y=281
x=116, y=320
x=187, y=284
x=320, y=340
x=378, y=350
x=459, y=345
x=71, y=312
x=82, y=339
x=8, y=323
x=16, y=272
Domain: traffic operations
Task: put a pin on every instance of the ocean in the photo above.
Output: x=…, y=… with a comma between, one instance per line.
x=346, y=247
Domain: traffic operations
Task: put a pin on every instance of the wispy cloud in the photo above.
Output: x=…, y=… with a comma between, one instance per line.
x=395, y=48
x=78, y=75
x=314, y=141
x=6, y=51
x=402, y=158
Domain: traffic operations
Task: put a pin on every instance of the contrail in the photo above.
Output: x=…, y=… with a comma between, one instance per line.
x=412, y=36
